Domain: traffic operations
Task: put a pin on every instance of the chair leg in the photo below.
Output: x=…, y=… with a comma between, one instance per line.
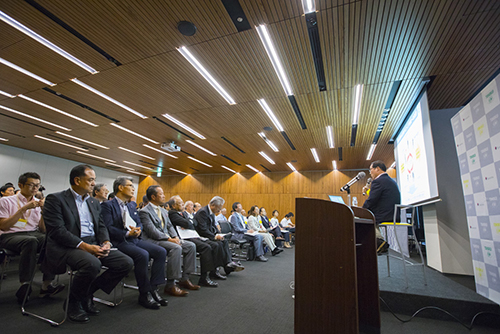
x=51, y=322
x=114, y=302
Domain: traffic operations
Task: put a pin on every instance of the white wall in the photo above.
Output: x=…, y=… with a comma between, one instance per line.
x=54, y=171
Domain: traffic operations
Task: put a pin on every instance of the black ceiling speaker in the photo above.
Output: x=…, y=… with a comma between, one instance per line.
x=268, y=128
x=186, y=28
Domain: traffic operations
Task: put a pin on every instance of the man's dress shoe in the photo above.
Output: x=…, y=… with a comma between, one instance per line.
x=89, y=306
x=188, y=285
x=206, y=281
x=158, y=298
x=146, y=300
x=175, y=291
x=76, y=312
x=217, y=275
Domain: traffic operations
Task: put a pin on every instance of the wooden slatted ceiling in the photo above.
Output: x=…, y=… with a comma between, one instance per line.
x=369, y=42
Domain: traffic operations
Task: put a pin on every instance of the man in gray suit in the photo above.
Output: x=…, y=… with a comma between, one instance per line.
x=159, y=230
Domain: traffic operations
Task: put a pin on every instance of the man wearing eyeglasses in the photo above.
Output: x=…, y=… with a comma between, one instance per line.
x=22, y=231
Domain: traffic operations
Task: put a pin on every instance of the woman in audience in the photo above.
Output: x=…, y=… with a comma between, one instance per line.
x=7, y=190
x=253, y=224
x=286, y=234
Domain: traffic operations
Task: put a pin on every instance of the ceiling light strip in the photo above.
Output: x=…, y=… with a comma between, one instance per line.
x=95, y=156
x=110, y=99
x=61, y=143
x=134, y=152
x=201, y=148
x=268, y=142
x=57, y=110
x=198, y=161
x=273, y=56
x=34, y=118
x=134, y=133
x=370, y=153
x=124, y=167
x=137, y=165
x=267, y=158
x=6, y=94
x=28, y=73
x=4, y=139
x=158, y=150
x=229, y=169
x=358, y=93
x=134, y=172
x=253, y=168
x=270, y=114
x=334, y=163
x=178, y=171
x=329, y=135
x=315, y=154
x=82, y=140
x=197, y=65
x=25, y=30
x=309, y=6
x=179, y=123
x=289, y=164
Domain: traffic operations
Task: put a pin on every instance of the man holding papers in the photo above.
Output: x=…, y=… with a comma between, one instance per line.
x=159, y=230
x=125, y=229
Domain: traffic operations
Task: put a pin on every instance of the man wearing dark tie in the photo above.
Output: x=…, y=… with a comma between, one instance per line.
x=159, y=230
x=77, y=236
x=205, y=226
x=125, y=228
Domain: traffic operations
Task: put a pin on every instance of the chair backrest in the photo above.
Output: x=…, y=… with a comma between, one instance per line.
x=225, y=227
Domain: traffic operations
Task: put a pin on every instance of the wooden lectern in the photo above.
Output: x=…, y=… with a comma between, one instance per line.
x=336, y=276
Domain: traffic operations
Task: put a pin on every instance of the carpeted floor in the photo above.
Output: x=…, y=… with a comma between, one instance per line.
x=255, y=301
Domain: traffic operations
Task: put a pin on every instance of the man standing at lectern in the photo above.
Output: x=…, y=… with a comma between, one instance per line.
x=384, y=195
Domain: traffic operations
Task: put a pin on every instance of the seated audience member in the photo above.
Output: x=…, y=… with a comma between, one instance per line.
x=100, y=192
x=22, y=231
x=159, y=230
x=276, y=224
x=125, y=229
x=111, y=196
x=276, y=231
x=287, y=224
x=7, y=190
x=205, y=226
x=209, y=259
x=196, y=207
x=77, y=237
x=254, y=224
x=240, y=231
x=221, y=217
x=189, y=209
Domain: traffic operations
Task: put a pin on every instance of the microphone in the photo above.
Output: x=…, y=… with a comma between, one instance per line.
x=368, y=182
x=358, y=177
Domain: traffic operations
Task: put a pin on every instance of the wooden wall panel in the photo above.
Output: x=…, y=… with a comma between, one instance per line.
x=274, y=191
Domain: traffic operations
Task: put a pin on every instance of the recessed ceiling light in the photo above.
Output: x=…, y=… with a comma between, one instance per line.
x=273, y=56
x=329, y=134
x=358, y=92
x=201, y=148
x=134, y=152
x=61, y=143
x=6, y=94
x=25, y=30
x=289, y=164
x=28, y=73
x=110, y=99
x=158, y=150
x=334, y=163
x=34, y=118
x=178, y=171
x=56, y=110
x=197, y=65
x=198, y=161
x=370, y=153
x=137, y=165
x=82, y=140
x=268, y=142
x=134, y=133
x=229, y=169
x=172, y=119
x=95, y=156
x=253, y=168
x=315, y=154
x=267, y=158
x=270, y=114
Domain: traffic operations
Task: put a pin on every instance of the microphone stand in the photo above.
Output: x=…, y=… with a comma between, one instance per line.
x=348, y=189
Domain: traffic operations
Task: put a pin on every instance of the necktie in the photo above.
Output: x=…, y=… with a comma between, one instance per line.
x=158, y=212
x=124, y=214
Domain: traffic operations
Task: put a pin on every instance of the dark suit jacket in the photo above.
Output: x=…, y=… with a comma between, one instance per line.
x=62, y=221
x=112, y=217
x=206, y=223
x=384, y=194
x=265, y=222
x=152, y=224
x=180, y=220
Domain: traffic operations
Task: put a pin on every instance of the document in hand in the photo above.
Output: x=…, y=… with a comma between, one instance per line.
x=253, y=233
x=187, y=234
